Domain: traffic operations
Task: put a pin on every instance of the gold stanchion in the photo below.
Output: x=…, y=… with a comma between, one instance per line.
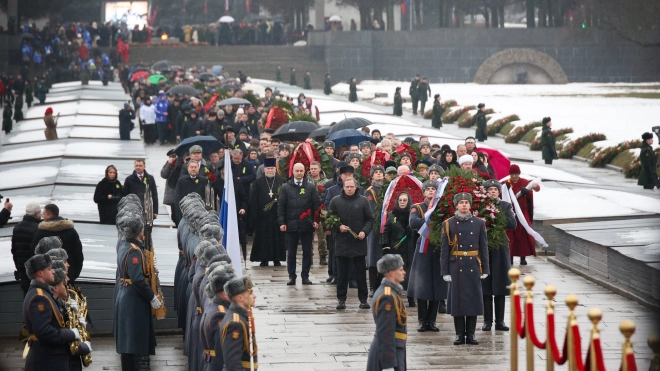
x=550, y=292
x=654, y=344
x=627, y=328
x=529, y=281
x=514, y=274
x=595, y=315
x=571, y=302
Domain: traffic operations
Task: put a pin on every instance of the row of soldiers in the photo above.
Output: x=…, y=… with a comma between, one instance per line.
x=54, y=313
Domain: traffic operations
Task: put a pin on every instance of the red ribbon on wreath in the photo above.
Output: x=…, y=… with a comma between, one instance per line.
x=379, y=157
x=305, y=154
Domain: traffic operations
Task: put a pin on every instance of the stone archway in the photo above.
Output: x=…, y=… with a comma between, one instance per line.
x=541, y=64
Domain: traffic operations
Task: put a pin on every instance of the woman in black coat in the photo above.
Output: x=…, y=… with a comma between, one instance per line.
x=107, y=194
x=436, y=119
x=352, y=90
x=396, y=228
x=398, y=103
x=448, y=158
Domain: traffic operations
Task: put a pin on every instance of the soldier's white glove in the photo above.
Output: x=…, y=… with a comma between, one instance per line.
x=447, y=278
x=82, y=321
x=76, y=333
x=155, y=303
x=89, y=345
x=483, y=276
x=74, y=304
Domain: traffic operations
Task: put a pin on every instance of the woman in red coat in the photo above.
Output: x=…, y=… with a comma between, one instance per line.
x=522, y=243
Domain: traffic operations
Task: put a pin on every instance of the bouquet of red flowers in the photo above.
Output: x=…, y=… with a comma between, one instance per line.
x=307, y=215
x=209, y=175
x=319, y=188
x=379, y=157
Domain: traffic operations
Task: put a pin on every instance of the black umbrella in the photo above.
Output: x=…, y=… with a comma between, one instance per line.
x=232, y=101
x=162, y=65
x=27, y=36
x=208, y=143
x=350, y=123
x=183, y=89
x=206, y=76
x=296, y=131
x=231, y=87
x=320, y=132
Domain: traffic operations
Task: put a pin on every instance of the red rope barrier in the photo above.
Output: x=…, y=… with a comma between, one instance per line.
x=630, y=361
x=577, y=346
x=519, y=322
x=529, y=316
x=559, y=358
x=600, y=364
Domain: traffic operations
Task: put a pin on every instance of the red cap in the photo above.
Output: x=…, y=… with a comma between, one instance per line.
x=49, y=111
x=514, y=169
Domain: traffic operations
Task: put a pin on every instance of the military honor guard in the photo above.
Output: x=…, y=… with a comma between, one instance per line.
x=214, y=312
x=388, y=348
x=239, y=345
x=464, y=263
x=495, y=286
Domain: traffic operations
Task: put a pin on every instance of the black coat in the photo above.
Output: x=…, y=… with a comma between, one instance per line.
x=295, y=200
x=108, y=207
x=481, y=122
x=398, y=105
x=185, y=186
x=191, y=127
x=327, y=86
x=132, y=184
x=245, y=173
x=436, y=120
x=21, y=241
x=352, y=92
x=425, y=280
x=548, y=144
x=269, y=244
x=215, y=128
x=354, y=212
x=126, y=118
x=63, y=228
x=4, y=217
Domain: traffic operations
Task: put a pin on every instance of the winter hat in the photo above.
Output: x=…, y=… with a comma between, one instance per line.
x=405, y=154
x=329, y=143
x=284, y=146
x=49, y=111
x=220, y=276
x=195, y=222
x=364, y=144
x=195, y=148
x=461, y=197
x=391, y=169
x=546, y=120
x=238, y=285
x=492, y=183
x=220, y=257
x=213, y=231
x=465, y=158
x=126, y=105
x=436, y=168
x=346, y=169
x=57, y=264
x=481, y=105
x=58, y=255
x=425, y=143
x=205, y=251
x=239, y=111
x=430, y=184
x=375, y=168
x=130, y=226
x=129, y=199
x=243, y=131
x=513, y=169
x=212, y=216
x=48, y=243
x=60, y=277
x=389, y=262
x=352, y=156
x=270, y=162
x=647, y=136
x=37, y=263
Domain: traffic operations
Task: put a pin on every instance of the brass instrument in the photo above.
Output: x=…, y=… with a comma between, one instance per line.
x=75, y=293
x=71, y=323
x=150, y=255
x=209, y=197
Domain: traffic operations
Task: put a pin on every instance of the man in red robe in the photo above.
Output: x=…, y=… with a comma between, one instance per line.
x=521, y=243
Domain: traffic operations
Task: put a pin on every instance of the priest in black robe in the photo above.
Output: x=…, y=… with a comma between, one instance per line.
x=187, y=184
x=268, y=239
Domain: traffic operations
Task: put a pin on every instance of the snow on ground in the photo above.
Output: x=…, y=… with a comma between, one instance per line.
x=24, y=176
x=328, y=106
x=94, y=148
x=84, y=172
x=33, y=136
x=44, y=151
x=37, y=123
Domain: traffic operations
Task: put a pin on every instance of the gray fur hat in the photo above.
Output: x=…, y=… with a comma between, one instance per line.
x=354, y=155
x=389, y=262
x=376, y=167
x=129, y=199
x=365, y=143
x=205, y=251
x=58, y=264
x=58, y=255
x=211, y=267
x=238, y=285
x=220, y=276
x=132, y=208
x=37, y=263
x=212, y=216
x=220, y=257
x=196, y=218
x=130, y=225
x=462, y=196
x=429, y=184
x=493, y=183
x=60, y=276
x=195, y=148
x=213, y=231
x=436, y=168
x=48, y=243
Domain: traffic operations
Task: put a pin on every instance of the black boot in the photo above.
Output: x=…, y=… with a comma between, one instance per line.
x=459, y=327
x=523, y=261
x=488, y=313
x=432, y=314
x=128, y=362
x=422, y=327
x=470, y=326
x=143, y=363
x=373, y=279
x=411, y=302
x=500, y=301
x=442, y=307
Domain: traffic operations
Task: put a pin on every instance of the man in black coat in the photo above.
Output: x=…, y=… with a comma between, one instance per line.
x=5, y=213
x=126, y=117
x=54, y=225
x=357, y=220
x=298, y=196
x=193, y=182
x=136, y=183
x=242, y=170
x=216, y=125
x=21, y=240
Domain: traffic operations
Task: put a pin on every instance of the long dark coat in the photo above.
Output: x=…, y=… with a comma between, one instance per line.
x=181, y=230
x=352, y=92
x=185, y=186
x=499, y=260
x=398, y=105
x=396, y=227
x=465, y=297
x=292, y=79
x=126, y=118
x=354, y=212
x=307, y=83
x=210, y=332
x=195, y=275
x=269, y=243
x=481, y=122
x=234, y=337
x=374, y=248
x=108, y=207
x=21, y=239
x=327, y=86
x=64, y=229
x=436, y=120
x=386, y=350
x=133, y=185
x=199, y=300
x=132, y=321
x=647, y=176
x=7, y=122
x=293, y=201
x=423, y=91
x=18, y=108
x=425, y=281
x=548, y=144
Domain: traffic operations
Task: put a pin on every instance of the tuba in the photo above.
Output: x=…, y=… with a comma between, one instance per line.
x=150, y=255
x=75, y=293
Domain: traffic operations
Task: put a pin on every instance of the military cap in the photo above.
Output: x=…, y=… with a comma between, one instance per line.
x=465, y=158
x=220, y=276
x=389, y=262
x=546, y=120
x=204, y=251
x=196, y=218
x=48, y=243
x=130, y=226
x=366, y=143
x=329, y=143
x=391, y=169
x=481, y=105
x=346, y=169
x=213, y=231
x=436, y=168
x=220, y=257
x=196, y=148
x=37, y=263
x=492, y=183
x=424, y=143
x=57, y=264
x=213, y=266
x=58, y=254
x=60, y=277
x=352, y=156
x=647, y=136
x=344, y=155
x=461, y=197
x=430, y=184
x=422, y=165
x=238, y=285
x=212, y=216
x=284, y=146
x=376, y=168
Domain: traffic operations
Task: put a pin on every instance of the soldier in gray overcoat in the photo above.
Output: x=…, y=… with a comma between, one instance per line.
x=425, y=283
x=235, y=330
x=388, y=348
x=495, y=285
x=133, y=323
x=463, y=258
x=214, y=312
x=189, y=240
